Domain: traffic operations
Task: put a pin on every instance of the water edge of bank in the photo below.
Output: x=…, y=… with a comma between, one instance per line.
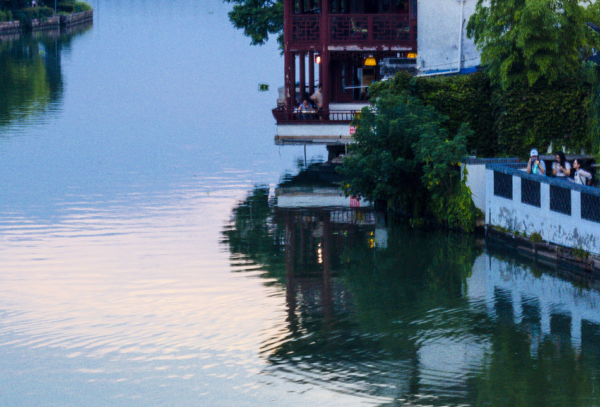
x=573, y=260
x=58, y=20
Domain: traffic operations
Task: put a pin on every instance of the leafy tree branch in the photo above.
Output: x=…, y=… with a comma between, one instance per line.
x=258, y=19
x=525, y=41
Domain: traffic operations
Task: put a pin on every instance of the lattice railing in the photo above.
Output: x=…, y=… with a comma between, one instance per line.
x=305, y=28
x=560, y=200
x=562, y=212
x=349, y=29
x=318, y=117
x=531, y=192
x=590, y=207
x=377, y=28
x=390, y=28
x=361, y=29
x=503, y=185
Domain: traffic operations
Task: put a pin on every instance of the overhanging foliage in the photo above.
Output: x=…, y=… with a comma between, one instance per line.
x=258, y=19
x=511, y=122
x=525, y=41
x=404, y=156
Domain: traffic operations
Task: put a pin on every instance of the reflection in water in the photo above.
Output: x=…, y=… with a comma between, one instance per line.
x=31, y=80
x=409, y=317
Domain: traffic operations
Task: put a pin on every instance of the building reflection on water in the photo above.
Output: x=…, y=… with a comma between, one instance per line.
x=31, y=79
x=414, y=317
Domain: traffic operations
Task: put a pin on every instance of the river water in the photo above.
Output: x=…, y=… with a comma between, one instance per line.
x=157, y=248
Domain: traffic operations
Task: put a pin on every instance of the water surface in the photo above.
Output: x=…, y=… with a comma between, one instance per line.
x=157, y=249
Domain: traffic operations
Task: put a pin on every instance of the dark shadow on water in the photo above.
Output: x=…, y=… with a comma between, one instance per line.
x=402, y=316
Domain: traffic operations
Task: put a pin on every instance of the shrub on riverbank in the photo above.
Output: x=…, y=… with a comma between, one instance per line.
x=33, y=12
x=510, y=122
x=405, y=155
x=6, y=16
x=73, y=7
x=463, y=98
x=19, y=10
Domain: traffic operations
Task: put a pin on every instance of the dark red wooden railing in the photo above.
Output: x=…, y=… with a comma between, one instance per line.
x=305, y=28
x=353, y=28
x=368, y=28
x=325, y=117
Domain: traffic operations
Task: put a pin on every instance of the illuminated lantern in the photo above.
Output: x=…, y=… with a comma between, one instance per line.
x=370, y=61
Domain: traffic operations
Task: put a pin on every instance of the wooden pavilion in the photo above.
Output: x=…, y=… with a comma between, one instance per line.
x=344, y=41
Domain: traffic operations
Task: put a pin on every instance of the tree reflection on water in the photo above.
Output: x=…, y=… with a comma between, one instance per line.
x=31, y=79
x=405, y=316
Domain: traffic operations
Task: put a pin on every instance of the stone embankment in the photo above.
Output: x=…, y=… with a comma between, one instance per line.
x=76, y=18
x=49, y=23
x=53, y=22
x=9, y=27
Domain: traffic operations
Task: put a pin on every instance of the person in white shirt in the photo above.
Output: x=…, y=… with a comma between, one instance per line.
x=582, y=176
x=317, y=97
x=561, y=167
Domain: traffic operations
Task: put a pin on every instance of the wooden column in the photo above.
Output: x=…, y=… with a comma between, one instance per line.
x=289, y=60
x=412, y=22
x=288, y=56
x=409, y=14
x=300, y=6
x=325, y=57
x=326, y=79
x=311, y=72
x=302, y=79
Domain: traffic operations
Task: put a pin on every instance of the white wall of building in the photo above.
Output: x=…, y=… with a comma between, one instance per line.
x=315, y=133
x=476, y=182
x=439, y=24
x=476, y=178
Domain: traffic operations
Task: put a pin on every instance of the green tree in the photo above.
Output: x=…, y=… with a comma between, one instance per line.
x=382, y=164
x=524, y=41
x=258, y=19
x=406, y=157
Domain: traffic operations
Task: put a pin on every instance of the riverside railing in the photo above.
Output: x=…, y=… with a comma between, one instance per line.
x=364, y=29
x=323, y=117
x=369, y=28
x=562, y=212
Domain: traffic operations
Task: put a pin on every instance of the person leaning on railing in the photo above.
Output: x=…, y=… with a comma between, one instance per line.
x=535, y=165
x=306, y=109
x=561, y=168
x=582, y=176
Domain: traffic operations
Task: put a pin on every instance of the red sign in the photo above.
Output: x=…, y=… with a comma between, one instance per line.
x=354, y=202
x=352, y=130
